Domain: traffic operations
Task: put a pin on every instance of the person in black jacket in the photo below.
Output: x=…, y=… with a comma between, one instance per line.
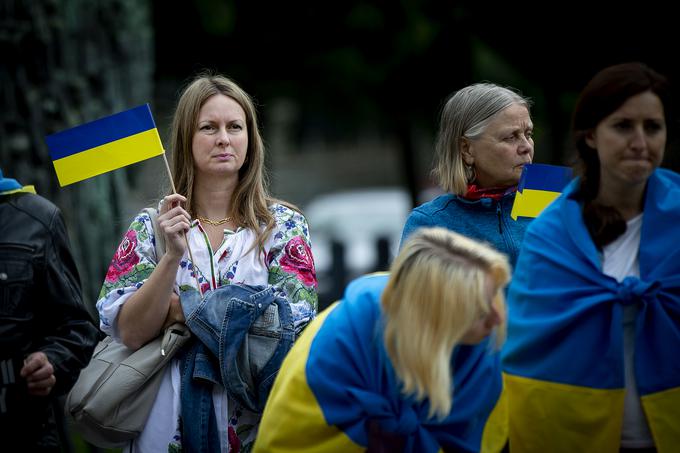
x=46, y=334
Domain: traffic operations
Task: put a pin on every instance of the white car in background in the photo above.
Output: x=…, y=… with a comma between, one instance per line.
x=358, y=220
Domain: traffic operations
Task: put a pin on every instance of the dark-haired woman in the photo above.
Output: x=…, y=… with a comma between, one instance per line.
x=592, y=359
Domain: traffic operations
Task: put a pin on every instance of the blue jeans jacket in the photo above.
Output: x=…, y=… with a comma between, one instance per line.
x=242, y=334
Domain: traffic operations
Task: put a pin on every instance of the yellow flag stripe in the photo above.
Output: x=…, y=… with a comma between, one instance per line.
x=25, y=189
x=110, y=156
x=663, y=415
x=562, y=418
x=495, y=434
x=530, y=202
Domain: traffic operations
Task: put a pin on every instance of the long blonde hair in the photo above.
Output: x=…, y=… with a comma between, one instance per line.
x=436, y=292
x=250, y=200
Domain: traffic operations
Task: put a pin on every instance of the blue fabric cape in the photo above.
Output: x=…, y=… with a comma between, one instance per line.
x=351, y=376
x=562, y=307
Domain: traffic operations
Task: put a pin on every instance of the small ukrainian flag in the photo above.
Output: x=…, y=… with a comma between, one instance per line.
x=539, y=185
x=105, y=144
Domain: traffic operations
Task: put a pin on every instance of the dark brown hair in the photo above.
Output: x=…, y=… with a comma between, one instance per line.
x=605, y=93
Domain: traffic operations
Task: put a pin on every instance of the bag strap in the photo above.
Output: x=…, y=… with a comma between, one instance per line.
x=157, y=233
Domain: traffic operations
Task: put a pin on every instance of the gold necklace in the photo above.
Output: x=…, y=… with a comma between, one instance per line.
x=214, y=222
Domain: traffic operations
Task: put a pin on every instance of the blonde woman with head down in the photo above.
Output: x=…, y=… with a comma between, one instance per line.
x=393, y=366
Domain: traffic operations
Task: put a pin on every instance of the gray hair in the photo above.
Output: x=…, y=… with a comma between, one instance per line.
x=467, y=113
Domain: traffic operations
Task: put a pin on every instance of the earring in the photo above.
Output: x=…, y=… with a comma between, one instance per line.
x=470, y=173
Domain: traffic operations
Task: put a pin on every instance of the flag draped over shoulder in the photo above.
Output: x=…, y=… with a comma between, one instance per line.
x=539, y=185
x=338, y=377
x=103, y=145
x=564, y=355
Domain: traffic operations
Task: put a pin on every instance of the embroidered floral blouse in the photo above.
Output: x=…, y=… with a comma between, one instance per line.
x=287, y=263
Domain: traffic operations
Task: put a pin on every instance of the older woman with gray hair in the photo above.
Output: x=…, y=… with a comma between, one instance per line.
x=484, y=141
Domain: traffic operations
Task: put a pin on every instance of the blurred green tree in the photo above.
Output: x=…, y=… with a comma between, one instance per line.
x=66, y=62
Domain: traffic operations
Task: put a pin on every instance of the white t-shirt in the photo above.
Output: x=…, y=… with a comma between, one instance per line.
x=620, y=260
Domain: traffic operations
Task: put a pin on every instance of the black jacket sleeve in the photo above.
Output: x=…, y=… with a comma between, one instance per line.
x=68, y=332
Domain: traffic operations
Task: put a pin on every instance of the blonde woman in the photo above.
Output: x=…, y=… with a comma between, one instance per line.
x=238, y=235
x=393, y=366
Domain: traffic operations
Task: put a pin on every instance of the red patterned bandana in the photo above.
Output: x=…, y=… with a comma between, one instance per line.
x=475, y=193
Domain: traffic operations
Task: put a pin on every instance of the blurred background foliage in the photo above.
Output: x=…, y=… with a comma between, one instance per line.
x=348, y=92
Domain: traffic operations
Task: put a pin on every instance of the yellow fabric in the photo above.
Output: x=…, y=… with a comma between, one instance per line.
x=663, y=415
x=551, y=417
x=110, y=156
x=530, y=203
x=292, y=421
x=25, y=189
x=495, y=434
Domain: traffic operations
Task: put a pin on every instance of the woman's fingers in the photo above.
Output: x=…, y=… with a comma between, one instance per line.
x=175, y=224
x=174, y=221
x=174, y=212
x=172, y=201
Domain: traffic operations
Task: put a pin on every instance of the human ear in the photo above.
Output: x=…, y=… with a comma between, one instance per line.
x=465, y=148
x=590, y=139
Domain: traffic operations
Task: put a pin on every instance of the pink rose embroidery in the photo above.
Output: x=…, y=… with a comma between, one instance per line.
x=298, y=260
x=124, y=259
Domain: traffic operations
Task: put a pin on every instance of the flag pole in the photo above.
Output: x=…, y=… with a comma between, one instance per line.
x=186, y=239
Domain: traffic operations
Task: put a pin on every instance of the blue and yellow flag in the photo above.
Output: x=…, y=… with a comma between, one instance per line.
x=105, y=144
x=338, y=380
x=539, y=185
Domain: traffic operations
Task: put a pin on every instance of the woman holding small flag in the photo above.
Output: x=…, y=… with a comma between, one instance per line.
x=592, y=358
x=390, y=368
x=222, y=231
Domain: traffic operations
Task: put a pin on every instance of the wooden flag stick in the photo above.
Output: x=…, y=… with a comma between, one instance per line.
x=186, y=239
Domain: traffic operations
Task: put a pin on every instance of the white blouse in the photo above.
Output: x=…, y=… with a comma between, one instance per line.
x=287, y=262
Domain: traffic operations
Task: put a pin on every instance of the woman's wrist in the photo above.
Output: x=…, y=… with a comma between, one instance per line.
x=172, y=257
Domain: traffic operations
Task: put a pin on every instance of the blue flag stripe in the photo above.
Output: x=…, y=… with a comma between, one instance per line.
x=100, y=132
x=551, y=178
